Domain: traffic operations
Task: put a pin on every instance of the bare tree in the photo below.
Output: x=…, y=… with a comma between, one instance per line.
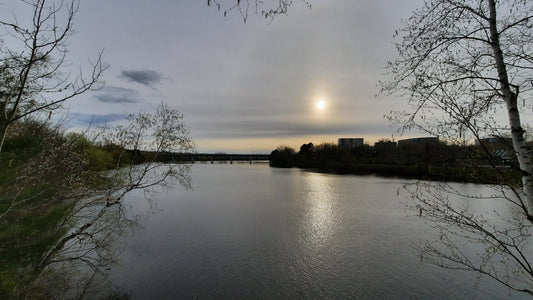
x=245, y=7
x=99, y=217
x=35, y=78
x=466, y=68
x=32, y=63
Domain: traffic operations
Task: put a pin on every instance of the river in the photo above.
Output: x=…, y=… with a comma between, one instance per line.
x=254, y=232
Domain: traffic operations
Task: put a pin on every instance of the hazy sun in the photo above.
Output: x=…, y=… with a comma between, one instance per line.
x=321, y=104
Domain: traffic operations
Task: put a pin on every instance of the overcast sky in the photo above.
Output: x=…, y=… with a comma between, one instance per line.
x=242, y=87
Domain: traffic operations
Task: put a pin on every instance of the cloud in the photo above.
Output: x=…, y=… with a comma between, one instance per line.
x=84, y=120
x=106, y=98
x=276, y=128
x=117, y=95
x=144, y=77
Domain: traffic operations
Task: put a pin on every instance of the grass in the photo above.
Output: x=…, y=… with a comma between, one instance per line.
x=32, y=201
x=27, y=231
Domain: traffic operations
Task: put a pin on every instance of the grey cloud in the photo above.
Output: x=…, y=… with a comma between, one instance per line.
x=117, y=95
x=84, y=120
x=144, y=77
x=254, y=87
x=115, y=99
x=258, y=129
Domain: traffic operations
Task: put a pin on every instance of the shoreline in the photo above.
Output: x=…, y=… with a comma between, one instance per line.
x=470, y=174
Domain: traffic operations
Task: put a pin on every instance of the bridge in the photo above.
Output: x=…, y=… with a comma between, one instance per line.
x=218, y=157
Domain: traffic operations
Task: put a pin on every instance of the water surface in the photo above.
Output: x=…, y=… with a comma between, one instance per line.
x=255, y=232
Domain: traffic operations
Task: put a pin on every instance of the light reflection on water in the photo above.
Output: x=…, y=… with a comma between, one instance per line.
x=320, y=207
x=254, y=232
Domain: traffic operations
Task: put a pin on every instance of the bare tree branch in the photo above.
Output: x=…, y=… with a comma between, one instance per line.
x=464, y=66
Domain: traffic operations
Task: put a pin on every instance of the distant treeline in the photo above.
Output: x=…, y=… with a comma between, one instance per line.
x=171, y=157
x=433, y=160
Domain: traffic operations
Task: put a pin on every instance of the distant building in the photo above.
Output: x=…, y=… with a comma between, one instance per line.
x=386, y=151
x=385, y=145
x=500, y=148
x=418, y=141
x=504, y=156
x=495, y=142
x=419, y=150
x=350, y=142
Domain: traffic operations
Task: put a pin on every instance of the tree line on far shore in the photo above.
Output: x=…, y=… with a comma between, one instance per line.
x=434, y=159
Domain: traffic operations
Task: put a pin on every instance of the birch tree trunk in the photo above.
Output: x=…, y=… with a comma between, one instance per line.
x=511, y=100
x=460, y=64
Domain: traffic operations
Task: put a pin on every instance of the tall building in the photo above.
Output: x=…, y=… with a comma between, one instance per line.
x=350, y=142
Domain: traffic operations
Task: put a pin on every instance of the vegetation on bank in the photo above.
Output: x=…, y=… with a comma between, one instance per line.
x=43, y=172
x=436, y=161
x=61, y=208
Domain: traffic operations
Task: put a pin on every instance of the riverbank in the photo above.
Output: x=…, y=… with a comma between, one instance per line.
x=482, y=175
x=440, y=162
x=44, y=173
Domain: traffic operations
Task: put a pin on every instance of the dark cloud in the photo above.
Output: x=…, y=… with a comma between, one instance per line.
x=117, y=95
x=144, y=77
x=84, y=120
x=114, y=99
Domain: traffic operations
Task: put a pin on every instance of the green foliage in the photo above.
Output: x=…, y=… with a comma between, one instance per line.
x=35, y=183
x=50, y=181
x=26, y=233
x=100, y=159
x=24, y=142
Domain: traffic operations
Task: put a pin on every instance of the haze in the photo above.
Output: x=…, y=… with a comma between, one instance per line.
x=242, y=87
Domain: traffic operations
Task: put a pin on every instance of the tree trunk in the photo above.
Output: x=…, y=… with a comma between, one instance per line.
x=517, y=132
x=3, y=133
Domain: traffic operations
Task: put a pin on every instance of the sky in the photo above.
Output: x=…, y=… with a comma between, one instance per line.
x=242, y=87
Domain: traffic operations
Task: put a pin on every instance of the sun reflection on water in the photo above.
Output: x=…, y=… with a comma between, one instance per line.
x=320, y=220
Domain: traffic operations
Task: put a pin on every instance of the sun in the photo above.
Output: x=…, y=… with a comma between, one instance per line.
x=320, y=105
